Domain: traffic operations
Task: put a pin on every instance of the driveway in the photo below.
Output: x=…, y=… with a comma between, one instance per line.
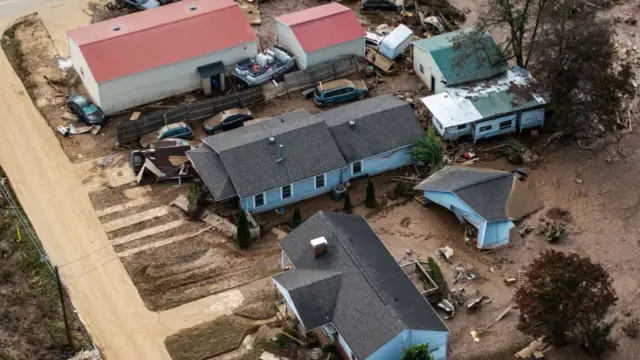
x=59, y=208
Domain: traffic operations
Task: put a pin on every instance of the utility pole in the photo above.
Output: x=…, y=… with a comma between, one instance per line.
x=64, y=311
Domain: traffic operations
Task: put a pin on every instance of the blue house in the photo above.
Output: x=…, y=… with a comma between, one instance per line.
x=487, y=199
x=299, y=155
x=348, y=289
x=476, y=94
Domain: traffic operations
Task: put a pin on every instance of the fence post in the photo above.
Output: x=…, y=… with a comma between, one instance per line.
x=335, y=73
x=64, y=311
x=164, y=118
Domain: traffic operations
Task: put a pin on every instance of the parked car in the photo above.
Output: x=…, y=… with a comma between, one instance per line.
x=338, y=91
x=269, y=64
x=178, y=130
x=227, y=120
x=385, y=5
x=85, y=110
x=140, y=4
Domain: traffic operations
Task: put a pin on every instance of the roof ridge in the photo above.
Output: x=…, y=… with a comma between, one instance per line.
x=315, y=18
x=502, y=175
x=153, y=27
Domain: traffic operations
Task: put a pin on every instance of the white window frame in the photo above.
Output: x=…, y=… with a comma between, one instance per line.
x=361, y=167
x=485, y=128
x=324, y=181
x=461, y=127
x=282, y=192
x=264, y=200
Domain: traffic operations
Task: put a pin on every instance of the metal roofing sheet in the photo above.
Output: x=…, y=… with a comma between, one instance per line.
x=323, y=26
x=451, y=110
x=157, y=37
x=461, y=58
x=484, y=98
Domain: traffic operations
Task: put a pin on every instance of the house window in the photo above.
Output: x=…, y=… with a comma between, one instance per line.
x=258, y=200
x=484, y=128
x=356, y=168
x=505, y=124
x=320, y=181
x=286, y=191
x=421, y=68
x=462, y=127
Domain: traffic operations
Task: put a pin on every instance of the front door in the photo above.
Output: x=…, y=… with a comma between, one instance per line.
x=433, y=84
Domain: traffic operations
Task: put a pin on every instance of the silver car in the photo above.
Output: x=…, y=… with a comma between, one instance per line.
x=140, y=4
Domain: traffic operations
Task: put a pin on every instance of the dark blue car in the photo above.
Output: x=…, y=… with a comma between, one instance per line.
x=339, y=91
x=85, y=110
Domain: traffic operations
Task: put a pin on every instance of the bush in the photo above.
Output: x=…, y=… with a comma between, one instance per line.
x=417, y=352
x=348, y=207
x=598, y=341
x=437, y=276
x=632, y=328
x=296, y=219
x=370, y=199
x=244, y=235
x=429, y=149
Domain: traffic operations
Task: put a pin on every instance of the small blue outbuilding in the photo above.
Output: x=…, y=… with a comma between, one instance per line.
x=488, y=199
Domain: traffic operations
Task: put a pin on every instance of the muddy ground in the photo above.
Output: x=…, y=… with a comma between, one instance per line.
x=31, y=323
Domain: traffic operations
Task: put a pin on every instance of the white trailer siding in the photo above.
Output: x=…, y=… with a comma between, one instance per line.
x=287, y=39
x=425, y=67
x=160, y=83
x=350, y=48
x=81, y=67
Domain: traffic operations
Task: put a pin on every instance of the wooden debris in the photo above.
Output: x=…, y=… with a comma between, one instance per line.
x=510, y=280
x=535, y=346
x=135, y=115
x=420, y=199
x=177, y=160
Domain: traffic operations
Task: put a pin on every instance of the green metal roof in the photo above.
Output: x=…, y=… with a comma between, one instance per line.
x=498, y=103
x=461, y=58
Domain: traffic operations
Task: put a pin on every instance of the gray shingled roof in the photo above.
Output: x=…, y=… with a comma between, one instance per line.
x=486, y=191
x=211, y=170
x=382, y=123
x=374, y=298
x=250, y=159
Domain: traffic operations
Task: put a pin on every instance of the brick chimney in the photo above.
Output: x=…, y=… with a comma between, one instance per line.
x=319, y=246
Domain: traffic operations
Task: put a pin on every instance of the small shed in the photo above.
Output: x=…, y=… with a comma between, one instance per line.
x=321, y=34
x=154, y=54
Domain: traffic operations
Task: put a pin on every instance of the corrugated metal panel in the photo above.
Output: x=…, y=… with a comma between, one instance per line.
x=289, y=41
x=323, y=26
x=81, y=67
x=451, y=111
x=158, y=37
x=160, y=83
x=353, y=47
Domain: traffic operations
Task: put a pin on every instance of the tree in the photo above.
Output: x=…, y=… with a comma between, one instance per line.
x=296, y=219
x=348, y=207
x=569, y=50
x=565, y=297
x=436, y=275
x=417, y=352
x=575, y=68
x=370, y=199
x=429, y=149
x=244, y=235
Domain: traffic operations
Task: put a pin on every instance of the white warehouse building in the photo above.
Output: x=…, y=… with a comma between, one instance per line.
x=158, y=53
x=321, y=34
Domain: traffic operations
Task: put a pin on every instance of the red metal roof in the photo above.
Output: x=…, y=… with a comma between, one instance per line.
x=323, y=26
x=161, y=36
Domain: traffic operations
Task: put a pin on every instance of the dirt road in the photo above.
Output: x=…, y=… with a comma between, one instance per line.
x=59, y=208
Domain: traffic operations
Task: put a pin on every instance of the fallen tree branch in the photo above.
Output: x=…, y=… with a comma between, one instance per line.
x=553, y=138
